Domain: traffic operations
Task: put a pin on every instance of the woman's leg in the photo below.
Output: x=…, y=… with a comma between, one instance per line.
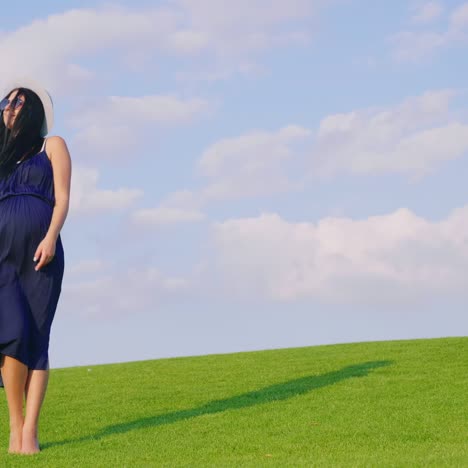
x=14, y=375
x=36, y=386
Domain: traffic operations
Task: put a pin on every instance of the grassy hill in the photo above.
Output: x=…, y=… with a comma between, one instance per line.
x=393, y=403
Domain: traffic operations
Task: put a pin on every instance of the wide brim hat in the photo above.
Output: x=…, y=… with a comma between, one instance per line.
x=43, y=95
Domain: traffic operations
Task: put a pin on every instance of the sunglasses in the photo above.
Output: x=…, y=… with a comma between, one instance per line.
x=15, y=103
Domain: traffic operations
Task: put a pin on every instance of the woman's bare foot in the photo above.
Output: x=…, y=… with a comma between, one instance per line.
x=30, y=444
x=15, y=440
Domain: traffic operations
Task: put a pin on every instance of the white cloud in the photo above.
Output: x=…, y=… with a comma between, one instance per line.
x=48, y=48
x=155, y=109
x=428, y=12
x=250, y=165
x=385, y=261
x=112, y=126
x=382, y=260
x=459, y=17
x=253, y=164
x=52, y=47
x=247, y=26
x=411, y=46
x=412, y=138
x=234, y=34
x=87, y=198
x=85, y=267
x=165, y=215
x=223, y=71
x=183, y=206
x=119, y=291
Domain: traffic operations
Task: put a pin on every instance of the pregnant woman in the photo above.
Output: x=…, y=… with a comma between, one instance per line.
x=35, y=175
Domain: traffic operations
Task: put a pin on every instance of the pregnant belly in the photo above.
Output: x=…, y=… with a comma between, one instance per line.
x=24, y=221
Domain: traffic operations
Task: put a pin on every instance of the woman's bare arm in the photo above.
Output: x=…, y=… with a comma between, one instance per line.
x=61, y=166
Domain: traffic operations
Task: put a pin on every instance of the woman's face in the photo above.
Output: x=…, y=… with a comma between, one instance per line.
x=11, y=112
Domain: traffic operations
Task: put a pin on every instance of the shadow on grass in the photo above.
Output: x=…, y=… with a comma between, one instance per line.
x=276, y=392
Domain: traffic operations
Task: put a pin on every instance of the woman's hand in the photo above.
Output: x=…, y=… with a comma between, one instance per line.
x=45, y=252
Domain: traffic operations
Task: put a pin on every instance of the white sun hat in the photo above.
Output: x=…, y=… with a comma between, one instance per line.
x=44, y=96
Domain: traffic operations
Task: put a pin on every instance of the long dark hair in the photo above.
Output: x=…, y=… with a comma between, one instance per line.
x=24, y=139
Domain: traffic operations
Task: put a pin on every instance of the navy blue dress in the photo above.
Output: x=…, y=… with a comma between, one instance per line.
x=28, y=298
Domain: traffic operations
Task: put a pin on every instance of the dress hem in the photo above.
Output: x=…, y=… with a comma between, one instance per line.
x=22, y=362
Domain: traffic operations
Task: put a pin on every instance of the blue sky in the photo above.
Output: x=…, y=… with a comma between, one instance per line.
x=254, y=174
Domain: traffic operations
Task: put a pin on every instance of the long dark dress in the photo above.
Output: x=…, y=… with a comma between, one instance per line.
x=28, y=298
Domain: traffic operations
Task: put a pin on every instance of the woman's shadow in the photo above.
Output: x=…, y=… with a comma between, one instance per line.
x=276, y=392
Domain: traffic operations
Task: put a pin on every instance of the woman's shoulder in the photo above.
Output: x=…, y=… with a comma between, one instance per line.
x=55, y=141
x=55, y=145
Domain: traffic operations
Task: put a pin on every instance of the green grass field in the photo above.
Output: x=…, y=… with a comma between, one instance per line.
x=392, y=403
